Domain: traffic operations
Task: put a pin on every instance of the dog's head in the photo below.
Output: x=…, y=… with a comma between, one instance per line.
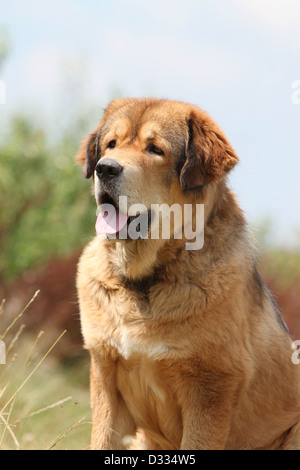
x=152, y=151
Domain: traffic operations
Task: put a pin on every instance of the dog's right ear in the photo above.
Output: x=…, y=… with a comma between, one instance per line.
x=88, y=154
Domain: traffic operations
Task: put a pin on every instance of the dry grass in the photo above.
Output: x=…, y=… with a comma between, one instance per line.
x=44, y=402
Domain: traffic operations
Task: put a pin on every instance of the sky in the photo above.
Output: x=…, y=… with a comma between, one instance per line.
x=237, y=59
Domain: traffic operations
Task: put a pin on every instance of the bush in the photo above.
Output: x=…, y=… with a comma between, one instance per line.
x=46, y=208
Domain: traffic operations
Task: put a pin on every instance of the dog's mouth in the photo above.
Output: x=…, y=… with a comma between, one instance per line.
x=114, y=223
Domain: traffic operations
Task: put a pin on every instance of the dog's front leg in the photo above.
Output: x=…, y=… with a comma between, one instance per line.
x=111, y=418
x=206, y=412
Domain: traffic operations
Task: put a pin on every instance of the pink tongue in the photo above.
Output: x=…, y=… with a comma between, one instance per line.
x=110, y=221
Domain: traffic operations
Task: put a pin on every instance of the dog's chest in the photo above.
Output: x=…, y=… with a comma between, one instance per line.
x=130, y=328
x=129, y=344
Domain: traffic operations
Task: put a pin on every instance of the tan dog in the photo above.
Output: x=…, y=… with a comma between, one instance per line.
x=188, y=348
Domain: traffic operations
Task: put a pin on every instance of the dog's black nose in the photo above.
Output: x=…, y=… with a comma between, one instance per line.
x=108, y=168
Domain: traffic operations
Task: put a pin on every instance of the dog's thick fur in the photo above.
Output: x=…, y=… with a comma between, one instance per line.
x=188, y=349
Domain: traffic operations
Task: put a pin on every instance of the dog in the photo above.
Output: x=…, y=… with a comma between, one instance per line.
x=188, y=348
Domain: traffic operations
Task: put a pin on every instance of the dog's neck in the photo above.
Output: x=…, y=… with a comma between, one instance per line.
x=140, y=259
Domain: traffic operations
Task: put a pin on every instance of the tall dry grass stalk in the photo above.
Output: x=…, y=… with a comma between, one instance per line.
x=10, y=391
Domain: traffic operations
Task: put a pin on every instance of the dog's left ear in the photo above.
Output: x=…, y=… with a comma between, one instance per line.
x=87, y=155
x=209, y=155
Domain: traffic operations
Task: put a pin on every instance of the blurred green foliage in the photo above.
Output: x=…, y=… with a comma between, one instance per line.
x=46, y=207
x=278, y=263
x=283, y=266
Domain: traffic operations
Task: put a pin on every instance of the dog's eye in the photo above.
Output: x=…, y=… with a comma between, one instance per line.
x=153, y=149
x=112, y=144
